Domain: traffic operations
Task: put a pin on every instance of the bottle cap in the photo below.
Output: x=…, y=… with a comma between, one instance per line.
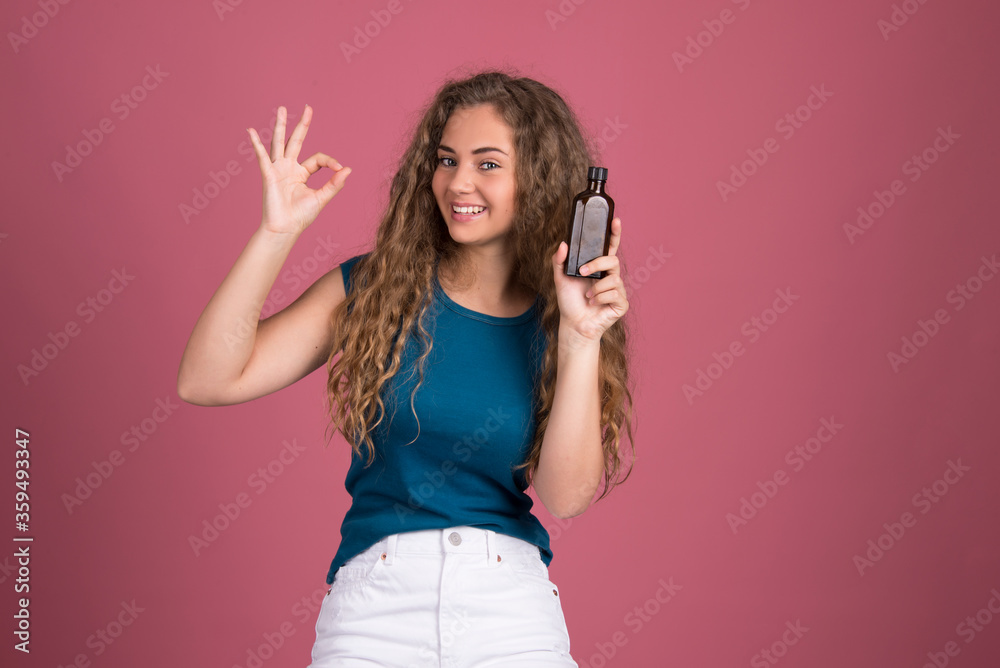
x=597, y=174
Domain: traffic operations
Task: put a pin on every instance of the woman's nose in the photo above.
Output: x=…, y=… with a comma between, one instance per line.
x=461, y=181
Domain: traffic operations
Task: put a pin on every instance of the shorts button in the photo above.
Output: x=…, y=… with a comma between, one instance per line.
x=454, y=538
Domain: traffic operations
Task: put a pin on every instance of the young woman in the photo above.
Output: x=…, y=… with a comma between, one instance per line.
x=506, y=373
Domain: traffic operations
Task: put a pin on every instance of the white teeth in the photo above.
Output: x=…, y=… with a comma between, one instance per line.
x=468, y=209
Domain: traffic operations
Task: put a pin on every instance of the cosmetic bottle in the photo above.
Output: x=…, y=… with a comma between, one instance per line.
x=590, y=224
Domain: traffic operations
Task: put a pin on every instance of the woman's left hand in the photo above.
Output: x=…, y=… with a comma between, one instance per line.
x=587, y=307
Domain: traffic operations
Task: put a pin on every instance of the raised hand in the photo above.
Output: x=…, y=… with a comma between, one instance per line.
x=290, y=206
x=588, y=307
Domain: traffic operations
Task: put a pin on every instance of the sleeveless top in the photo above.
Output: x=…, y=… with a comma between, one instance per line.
x=476, y=412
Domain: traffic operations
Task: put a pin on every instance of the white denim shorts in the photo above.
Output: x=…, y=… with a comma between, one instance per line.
x=461, y=597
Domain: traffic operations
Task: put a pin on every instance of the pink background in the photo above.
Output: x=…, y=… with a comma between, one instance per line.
x=671, y=135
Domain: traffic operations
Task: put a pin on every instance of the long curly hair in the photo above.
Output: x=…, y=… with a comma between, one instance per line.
x=392, y=286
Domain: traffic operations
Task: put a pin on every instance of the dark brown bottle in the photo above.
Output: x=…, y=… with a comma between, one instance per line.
x=590, y=224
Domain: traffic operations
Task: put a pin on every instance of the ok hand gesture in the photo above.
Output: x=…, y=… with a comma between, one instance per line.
x=290, y=206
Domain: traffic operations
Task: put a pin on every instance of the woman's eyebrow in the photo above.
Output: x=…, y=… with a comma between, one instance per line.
x=484, y=149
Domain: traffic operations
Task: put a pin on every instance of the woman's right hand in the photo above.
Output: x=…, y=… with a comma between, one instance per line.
x=290, y=206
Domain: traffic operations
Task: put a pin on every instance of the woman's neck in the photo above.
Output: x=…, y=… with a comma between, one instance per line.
x=486, y=286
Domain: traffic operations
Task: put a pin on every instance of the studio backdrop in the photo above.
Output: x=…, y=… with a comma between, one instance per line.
x=811, y=256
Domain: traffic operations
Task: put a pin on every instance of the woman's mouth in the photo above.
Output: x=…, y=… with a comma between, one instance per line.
x=466, y=213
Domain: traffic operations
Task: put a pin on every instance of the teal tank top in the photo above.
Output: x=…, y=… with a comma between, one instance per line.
x=476, y=412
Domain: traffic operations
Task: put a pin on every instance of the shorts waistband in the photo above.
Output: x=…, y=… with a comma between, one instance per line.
x=457, y=539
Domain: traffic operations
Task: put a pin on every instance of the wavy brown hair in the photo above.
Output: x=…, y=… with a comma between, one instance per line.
x=392, y=285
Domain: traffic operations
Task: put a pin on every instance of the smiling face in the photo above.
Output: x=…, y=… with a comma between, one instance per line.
x=474, y=178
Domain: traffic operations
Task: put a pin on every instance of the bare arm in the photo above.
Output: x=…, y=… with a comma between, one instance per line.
x=572, y=461
x=232, y=356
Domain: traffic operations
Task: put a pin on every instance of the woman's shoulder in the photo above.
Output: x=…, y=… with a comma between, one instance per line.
x=347, y=265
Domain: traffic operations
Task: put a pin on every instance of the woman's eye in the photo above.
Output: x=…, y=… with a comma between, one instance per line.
x=451, y=162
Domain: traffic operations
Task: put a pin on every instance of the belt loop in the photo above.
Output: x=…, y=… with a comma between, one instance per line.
x=390, y=550
x=492, y=555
